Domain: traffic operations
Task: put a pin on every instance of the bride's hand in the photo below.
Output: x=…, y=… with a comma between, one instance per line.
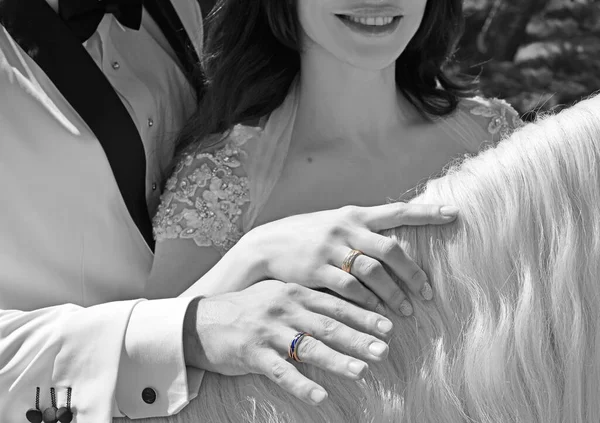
x=311, y=249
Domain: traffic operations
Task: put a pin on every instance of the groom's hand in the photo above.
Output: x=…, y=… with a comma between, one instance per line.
x=251, y=331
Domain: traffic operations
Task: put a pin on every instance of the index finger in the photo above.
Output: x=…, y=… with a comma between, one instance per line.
x=388, y=216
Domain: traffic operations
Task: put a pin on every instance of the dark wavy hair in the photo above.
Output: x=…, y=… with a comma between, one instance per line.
x=252, y=55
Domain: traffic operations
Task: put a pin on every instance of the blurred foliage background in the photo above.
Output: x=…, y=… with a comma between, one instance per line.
x=539, y=55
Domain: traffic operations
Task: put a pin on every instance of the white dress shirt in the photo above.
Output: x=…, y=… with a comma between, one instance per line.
x=74, y=265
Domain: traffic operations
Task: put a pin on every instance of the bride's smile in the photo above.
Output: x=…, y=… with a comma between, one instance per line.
x=372, y=21
x=372, y=25
x=366, y=34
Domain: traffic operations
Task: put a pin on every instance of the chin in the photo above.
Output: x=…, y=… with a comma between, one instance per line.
x=373, y=56
x=370, y=60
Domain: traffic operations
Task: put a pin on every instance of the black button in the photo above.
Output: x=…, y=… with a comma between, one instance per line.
x=64, y=415
x=34, y=415
x=149, y=395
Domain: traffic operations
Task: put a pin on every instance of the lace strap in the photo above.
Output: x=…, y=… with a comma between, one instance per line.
x=205, y=197
x=503, y=118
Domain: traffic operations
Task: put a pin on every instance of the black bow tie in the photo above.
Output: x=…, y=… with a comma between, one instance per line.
x=84, y=16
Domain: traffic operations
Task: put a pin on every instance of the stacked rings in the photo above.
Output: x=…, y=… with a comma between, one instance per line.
x=293, y=350
x=349, y=260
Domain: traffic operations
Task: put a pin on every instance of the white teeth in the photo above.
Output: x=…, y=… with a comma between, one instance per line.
x=373, y=21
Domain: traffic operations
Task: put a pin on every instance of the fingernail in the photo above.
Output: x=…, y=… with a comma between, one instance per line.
x=385, y=326
x=449, y=211
x=427, y=292
x=356, y=367
x=378, y=349
x=406, y=308
x=318, y=396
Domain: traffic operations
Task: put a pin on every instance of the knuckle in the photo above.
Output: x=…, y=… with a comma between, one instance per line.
x=276, y=310
x=373, y=303
x=335, y=232
x=418, y=276
x=359, y=343
x=401, y=210
x=348, y=283
x=351, y=212
x=293, y=291
x=371, y=268
x=321, y=251
x=252, y=362
x=329, y=327
x=397, y=296
x=340, y=308
x=279, y=370
x=259, y=334
x=371, y=320
x=246, y=350
x=388, y=247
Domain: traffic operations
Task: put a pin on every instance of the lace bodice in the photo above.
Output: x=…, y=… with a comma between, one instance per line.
x=209, y=191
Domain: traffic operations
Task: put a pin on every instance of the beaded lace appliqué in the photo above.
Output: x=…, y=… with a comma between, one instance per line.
x=204, y=199
x=504, y=119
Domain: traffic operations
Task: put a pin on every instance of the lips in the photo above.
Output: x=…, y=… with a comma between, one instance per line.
x=371, y=24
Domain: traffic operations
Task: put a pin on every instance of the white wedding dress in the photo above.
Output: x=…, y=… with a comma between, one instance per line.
x=215, y=196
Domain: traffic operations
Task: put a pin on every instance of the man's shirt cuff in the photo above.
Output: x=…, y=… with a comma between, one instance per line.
x=153, y=379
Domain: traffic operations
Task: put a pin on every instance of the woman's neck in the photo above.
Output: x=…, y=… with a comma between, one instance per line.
x=338, y=101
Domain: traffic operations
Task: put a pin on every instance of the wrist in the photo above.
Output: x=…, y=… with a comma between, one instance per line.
x=241, y=267
x=248, y=259
x=192, y=347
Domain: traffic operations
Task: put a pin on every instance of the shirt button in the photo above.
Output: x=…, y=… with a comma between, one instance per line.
x=150, y=122
x=154, y=186
x=149, y=395
x=116, y=65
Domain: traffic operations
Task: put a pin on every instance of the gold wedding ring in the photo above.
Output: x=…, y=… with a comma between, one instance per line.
x=349, y=260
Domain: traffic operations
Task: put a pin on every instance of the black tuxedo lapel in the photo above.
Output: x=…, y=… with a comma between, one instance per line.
x=43, y=36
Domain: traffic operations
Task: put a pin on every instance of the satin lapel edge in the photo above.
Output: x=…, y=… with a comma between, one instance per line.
x=48, y=41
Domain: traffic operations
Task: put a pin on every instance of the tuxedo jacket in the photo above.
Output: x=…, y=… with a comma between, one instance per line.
x=76, y=247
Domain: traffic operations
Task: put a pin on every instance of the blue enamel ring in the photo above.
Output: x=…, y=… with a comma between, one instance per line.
x=293, y=350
